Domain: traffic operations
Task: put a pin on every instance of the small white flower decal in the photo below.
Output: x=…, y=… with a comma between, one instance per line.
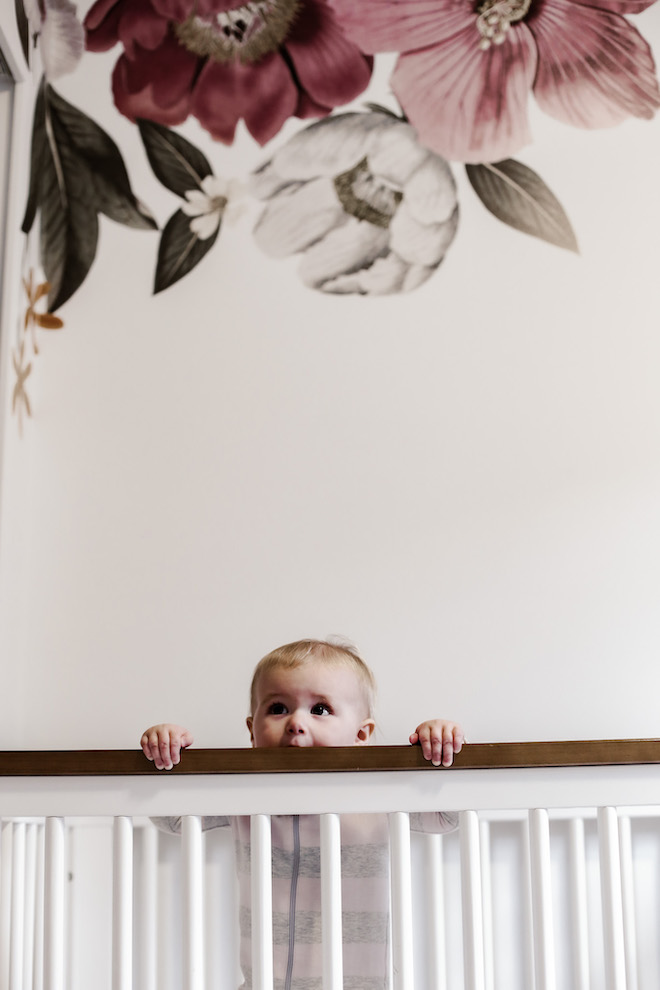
x=209, y=205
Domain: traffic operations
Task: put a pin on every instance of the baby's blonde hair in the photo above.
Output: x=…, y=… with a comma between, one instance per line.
x=330, y=651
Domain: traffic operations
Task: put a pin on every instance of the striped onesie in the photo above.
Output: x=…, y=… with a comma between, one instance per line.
x=296, y=855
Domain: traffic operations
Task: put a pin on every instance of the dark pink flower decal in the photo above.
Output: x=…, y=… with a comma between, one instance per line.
x=262, y=61
x=466, y=68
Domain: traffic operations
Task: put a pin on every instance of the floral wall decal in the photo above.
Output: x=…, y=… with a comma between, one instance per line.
x=263, y=61
x=367, y=195
x=371, y=210
x=76, y=172
x=466, y=70
x=33, y=319
x=60, y=34
x=516, y=195
x=190, y=232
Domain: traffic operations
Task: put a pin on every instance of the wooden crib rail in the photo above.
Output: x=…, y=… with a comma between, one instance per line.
x=475, y=756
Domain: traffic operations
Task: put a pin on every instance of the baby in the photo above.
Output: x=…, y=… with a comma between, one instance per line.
x=316, y=693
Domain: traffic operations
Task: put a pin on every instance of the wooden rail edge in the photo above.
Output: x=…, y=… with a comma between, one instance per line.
x=479, y=756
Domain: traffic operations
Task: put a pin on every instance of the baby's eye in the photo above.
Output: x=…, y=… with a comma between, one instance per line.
x=320, y=709
x=277, y=708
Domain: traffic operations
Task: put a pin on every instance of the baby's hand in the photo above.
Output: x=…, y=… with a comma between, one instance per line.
x=162, y=744
x=439, y=740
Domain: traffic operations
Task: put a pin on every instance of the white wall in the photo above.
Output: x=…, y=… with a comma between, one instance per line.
x=465, y=480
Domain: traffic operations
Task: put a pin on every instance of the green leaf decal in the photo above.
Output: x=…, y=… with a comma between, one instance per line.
x=175, y=162
x=76, y=172
x=23, y=28
x=96, y=152
x=180, y=250
x=60, y=189
x=39, y=156
x=519, y=197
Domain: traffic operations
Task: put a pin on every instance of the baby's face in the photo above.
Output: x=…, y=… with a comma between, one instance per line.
x=315, y=704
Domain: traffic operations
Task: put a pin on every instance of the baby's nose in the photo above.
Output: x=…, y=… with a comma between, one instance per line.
x=295, y=725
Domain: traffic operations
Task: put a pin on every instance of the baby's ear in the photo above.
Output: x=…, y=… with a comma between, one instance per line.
x=365, y=732
x=248, y=721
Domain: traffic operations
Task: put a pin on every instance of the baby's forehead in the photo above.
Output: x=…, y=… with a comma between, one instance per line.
x=315, y=676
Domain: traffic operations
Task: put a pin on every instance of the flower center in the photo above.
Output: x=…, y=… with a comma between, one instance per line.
x=246, y=32
x=366, y=196
x=496, y=17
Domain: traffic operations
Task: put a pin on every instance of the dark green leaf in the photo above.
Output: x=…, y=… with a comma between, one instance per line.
x=519, y=197
x=38, y=157
x=100, y=157
x=23, y=28
x=69, y=223
x=180, y=251
x=176, y=163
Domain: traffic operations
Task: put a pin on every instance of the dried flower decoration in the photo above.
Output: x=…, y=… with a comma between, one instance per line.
x=34, y=291
x=47, y=321
x=20, y=401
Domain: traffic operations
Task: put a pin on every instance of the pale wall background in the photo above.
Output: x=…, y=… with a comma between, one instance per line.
x=464, y=480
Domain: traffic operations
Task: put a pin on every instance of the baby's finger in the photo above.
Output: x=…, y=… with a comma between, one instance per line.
x=428, y=742
x=146, y=746
x=164, y=759
x=151, y=746
x=176, y=745
x=452, y=742
x=439, y=741
x=447, y=746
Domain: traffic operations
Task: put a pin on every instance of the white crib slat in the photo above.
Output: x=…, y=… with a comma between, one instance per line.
x=54, y=905
x=544, y=946
x=578, y=900
x=473, y=935
x=148, y=895
x=610, y=882
x=17, y=907
x=193, y=899
x=5, y=902
x=122, y=904
x=262, y=902
x=30, y=903
x=628, y=903
x=40, y=883
x=401, y=881
x=526, y=901
x=331, y=910
x=487, y=905
x=436, y=912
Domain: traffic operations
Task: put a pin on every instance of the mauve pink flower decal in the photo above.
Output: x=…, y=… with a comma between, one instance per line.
x=466, y=69
x=263, y=61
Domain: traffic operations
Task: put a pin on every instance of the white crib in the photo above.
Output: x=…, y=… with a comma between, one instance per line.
x=552, y=881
